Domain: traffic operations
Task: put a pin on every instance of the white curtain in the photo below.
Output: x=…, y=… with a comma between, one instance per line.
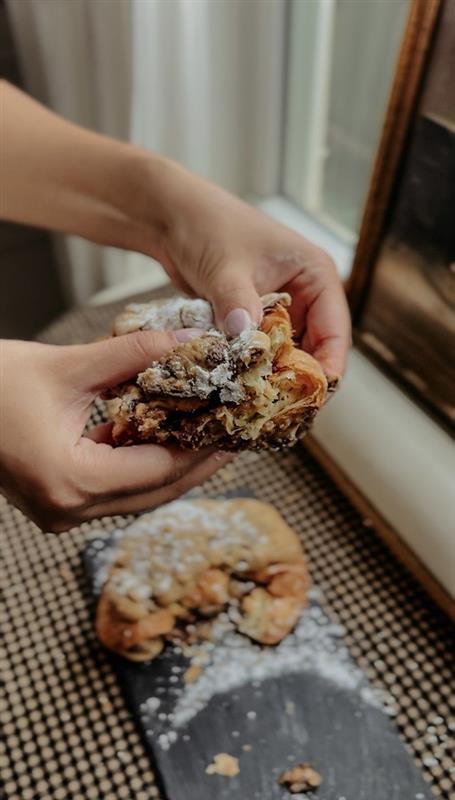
x=76, y=58
x=197, y=80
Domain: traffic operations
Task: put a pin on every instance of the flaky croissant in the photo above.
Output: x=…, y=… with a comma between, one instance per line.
x=255, y=391
x=189, y=560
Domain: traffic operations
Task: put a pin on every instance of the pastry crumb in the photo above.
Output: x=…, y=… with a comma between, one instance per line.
x=192, y=673
x=223, y=764
x=247, y=748
x=301, y=778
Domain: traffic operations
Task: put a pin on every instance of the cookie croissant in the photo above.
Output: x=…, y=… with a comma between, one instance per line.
x=189, y=560
x=255, y=391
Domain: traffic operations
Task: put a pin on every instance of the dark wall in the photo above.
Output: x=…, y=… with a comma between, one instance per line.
x=30, y=289
x=424, y=213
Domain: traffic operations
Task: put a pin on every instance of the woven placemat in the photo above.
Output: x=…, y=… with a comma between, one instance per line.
x=66, y=731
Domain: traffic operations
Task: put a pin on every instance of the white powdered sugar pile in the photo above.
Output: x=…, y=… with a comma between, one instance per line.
x=104, y=556
x=233, y=660
x=230, y=660
x=172, y=314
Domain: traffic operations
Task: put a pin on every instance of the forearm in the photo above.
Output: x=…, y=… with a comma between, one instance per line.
x=57, y=175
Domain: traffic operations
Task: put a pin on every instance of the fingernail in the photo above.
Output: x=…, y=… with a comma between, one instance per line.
x=186, y=334
x=237, y=321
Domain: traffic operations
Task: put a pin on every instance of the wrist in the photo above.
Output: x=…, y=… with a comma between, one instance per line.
x=157, y=188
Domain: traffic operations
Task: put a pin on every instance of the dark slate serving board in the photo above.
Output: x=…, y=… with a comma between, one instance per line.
x=351, y=743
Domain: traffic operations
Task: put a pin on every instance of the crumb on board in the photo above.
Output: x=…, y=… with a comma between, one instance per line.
x=301, y=778
x=290, y=708
x=247, y=747
x=223, y=764
x=192, y=673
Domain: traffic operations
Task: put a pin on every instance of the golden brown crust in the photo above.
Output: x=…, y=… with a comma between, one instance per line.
x=301, y=778
x=253, y=392
x=223, y=764
x=189, y=560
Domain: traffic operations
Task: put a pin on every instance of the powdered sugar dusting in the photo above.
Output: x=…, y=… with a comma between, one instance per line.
x=157, y=556
x=177, y=377
x=229, y=661
x=172, y=314
x=235, y=661
x=214, y=365
x=104, y=555
x=177, y=312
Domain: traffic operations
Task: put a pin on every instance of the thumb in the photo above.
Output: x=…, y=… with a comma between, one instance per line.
x=235, y=300
x=104, y=364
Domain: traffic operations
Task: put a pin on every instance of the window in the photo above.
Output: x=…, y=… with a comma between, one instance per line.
x=342, y=56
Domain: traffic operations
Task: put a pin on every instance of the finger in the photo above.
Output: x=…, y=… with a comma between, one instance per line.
x=106, y=471
x=235, y=300
x=102, y=434
x=144, y=501
x=328, y=331
x=104, y=364
x=320, y=315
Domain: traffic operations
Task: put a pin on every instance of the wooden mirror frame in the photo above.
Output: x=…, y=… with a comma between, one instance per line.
x=412, y=60
x=414, y=56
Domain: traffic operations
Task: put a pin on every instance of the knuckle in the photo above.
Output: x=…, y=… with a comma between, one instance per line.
x=142, y=344
x=236, y=287
x=58, y=505
x=147, y=345
x=174, y=491
x=174, y=471
x=325, y=260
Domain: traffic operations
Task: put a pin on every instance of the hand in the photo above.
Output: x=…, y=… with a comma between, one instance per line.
x=49, y=468
x=212, y=244
x=218, y=247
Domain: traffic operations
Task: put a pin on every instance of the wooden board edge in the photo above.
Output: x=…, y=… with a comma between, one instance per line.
x=383, y=528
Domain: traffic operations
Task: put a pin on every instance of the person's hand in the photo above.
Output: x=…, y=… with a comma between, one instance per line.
x=211, y=244
x=61, y=477
x=218, y=247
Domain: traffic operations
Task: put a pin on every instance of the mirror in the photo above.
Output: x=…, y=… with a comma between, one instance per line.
x=402, y=289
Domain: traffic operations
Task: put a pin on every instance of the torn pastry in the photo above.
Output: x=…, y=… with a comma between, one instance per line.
x=179, y=566
x=254, y=391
